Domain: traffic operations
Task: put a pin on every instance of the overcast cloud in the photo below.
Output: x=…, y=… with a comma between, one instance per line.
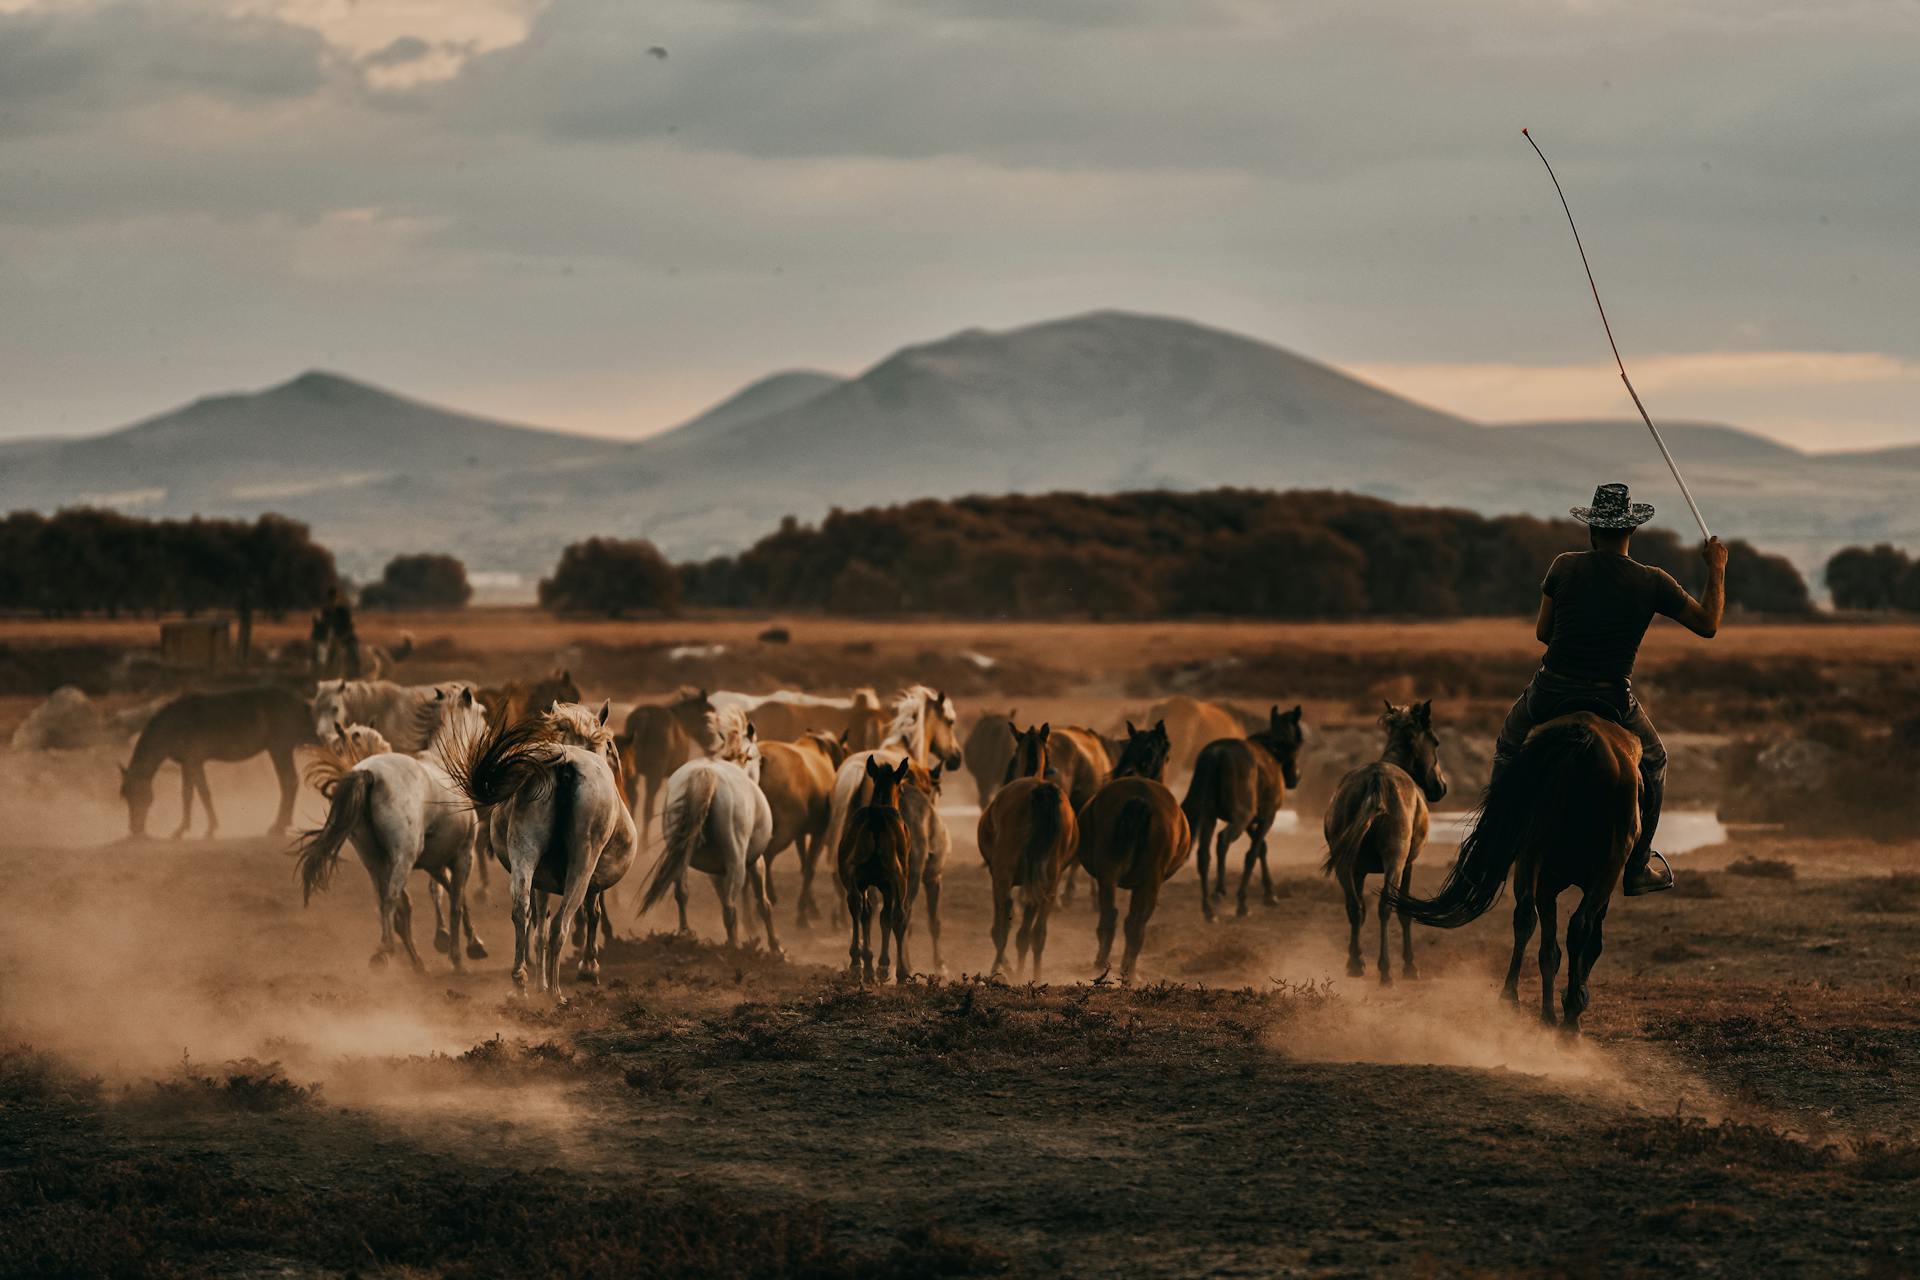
x=518, y=208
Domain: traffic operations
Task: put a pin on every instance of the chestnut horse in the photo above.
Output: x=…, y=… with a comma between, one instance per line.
x=1240, y=783
x=797, y=778
x=1563, y=815
x=873, y=858
x=1133, y=836
x=1027, y=838
x=1377, y=823
x=659, y=738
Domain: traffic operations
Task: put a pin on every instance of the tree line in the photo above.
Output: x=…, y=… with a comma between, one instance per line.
x=1231, y=552
x=1880, y=577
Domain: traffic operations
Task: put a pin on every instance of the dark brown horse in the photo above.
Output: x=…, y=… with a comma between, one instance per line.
x=988, y=751
x=1027, y=837
x=1133, y=836
x=1563, y=815
x=234, y=725
x=660, y=737
x=1240, y=783
x=1377, y=824
x=874, y=856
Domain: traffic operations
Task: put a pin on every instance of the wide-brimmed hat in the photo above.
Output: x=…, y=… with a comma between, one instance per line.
x=1612, y=510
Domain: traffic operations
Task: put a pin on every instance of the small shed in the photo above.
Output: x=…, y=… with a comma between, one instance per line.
x=197, y=642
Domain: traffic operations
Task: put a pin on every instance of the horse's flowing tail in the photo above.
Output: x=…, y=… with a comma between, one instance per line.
x=319, y=851
x=559, y=850
x=1344, y=845
x=1540, y=789
x=685, y=822
x=1043, y=833
x=500, y=762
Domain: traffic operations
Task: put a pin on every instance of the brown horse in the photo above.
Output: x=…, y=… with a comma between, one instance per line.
x=1027, y=837
x=1133, y=836
x=659, y=738
x=874, y=855
x=234, y=725
x=1240, y=783
x=1191, y=724
x=1377, y=824
x=1563, y=815
x=988, y=751
x=513, y=702
x=797, y=778
x=929, y=844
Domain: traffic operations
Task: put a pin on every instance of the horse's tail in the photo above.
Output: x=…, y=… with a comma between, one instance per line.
x=1043, y=833
x=1540, y=786
x=1132, y=830
x=559, y=850
x=319, y=851
x=1202, y=801
x=685, y=821
x=1343, y=846
x=501, y=762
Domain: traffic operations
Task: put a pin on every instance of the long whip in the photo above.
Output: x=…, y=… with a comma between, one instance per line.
x=1664, y=451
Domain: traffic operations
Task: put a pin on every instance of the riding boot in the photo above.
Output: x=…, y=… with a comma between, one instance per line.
x=1640, y=876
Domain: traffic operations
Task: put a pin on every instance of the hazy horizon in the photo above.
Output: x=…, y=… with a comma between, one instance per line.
x=584, y=216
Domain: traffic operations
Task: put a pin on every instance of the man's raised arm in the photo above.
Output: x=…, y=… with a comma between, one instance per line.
x=1702, y=616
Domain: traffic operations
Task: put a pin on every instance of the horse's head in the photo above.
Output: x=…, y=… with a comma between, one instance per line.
x=558, y=687
x=1030, y=752
x=886, y=780
x=329, y=708
x=1282, y=738
x=1145, y=753
x=834, y=749
x=137, y=790
x=943, y=730
x=453, y=720
x=694, y=710
x=578, y=726
x=1412, y=744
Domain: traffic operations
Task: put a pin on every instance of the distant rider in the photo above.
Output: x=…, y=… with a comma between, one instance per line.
x=333, y=627
x=1595, y=608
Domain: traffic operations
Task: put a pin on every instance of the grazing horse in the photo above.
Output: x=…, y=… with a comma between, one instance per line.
x=989, y=751
x=197, y=727
x=404, y=813
x=1027, y=838
x=797, y=778
x=393, y=709
x=1377, y=823
x=922, y=730
x=661, y=737
x=1191, y=725
x=1563, y=815
x=873, y=859
x=546, y=789
x=1240, y=783
x=1133, y=836
x=717, y=820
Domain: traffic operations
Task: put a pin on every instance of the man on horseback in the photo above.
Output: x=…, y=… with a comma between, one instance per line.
x=1595, y=608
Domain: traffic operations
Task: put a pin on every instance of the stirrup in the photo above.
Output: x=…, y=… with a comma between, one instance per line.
x=1656, y=883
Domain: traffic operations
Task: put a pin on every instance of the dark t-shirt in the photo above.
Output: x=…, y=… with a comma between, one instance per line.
x=1602, y=606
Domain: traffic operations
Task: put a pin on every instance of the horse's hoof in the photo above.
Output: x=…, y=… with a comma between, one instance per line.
x=1411, y=973
x=1386, y=979
x=476, y=951
x=378, y=960
x=1510, y=996
x=1241, y=912
x=589, y=976
x=443, y=942
x=1355, y=969
x=1269, y=901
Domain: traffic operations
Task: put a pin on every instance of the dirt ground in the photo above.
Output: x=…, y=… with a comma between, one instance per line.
x=198, y=1076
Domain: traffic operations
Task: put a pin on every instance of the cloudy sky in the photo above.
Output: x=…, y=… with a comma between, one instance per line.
x=523, y=208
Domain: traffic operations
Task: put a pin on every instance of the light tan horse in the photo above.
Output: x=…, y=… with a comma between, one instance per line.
x=1027, y=838
x=1376, y=825
x=1563, y=815
x=1133, y=836
x=1191, y=725
x=797, y=778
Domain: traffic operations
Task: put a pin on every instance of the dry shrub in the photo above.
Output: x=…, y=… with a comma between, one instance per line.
x=1886, y=1159
x=1753, y=1146
x=1762, y=868
x=243, y=1085
x=29, y=1076
x=519, y=1057
x=1896, y=894
x=756, y=1033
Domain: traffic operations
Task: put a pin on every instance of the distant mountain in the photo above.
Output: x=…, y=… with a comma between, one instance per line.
x=1099, y=402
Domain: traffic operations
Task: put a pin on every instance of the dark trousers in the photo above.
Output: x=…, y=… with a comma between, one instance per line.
x=1549, y=695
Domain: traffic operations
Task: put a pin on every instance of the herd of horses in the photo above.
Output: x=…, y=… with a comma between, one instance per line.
x=447, y=779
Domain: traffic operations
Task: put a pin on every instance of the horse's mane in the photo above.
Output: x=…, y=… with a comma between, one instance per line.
x=572, y=723
x=332, y=760
x=728, y=730
x=910, y=707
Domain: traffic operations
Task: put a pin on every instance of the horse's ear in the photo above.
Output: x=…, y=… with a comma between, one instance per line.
x=1297, y=714
x=874, y=768
x=901, y=770
x=1424, y=712
x=566, y=675
x=933, y=774
x=125, y=773
x=606, y=709
x=1131, y=731
x=1014, y=729
x=844, y=740
x=439, y=695
x=466, y=696
x=1160, y=727
x=752, y=732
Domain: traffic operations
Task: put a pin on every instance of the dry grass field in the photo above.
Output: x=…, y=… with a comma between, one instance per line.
x=200, y=1077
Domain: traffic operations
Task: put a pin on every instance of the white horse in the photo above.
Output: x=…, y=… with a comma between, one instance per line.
x=717, y=820
x=552, y=810
x=403, y=813
x=924, y=730
x=393, y=710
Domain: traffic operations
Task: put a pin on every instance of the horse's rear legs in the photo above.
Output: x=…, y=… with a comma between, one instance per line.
x=1523, y=925
x=1139, y=909
x=1353, y=886
x=1583, y=949
x=1202, y=846
x=289, y=788
x=1548, y=911
x=1002, y=925
x=805, y=910
x=758, y=886
x=932, y=884
x=1256, y=852
x=1107, y=893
